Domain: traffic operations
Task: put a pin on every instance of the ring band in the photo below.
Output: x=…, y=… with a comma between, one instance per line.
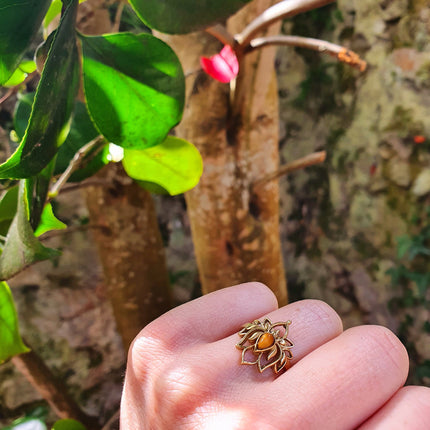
x=266, y=344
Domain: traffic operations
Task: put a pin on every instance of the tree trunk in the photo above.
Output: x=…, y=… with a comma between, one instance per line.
x=131, y=251
x=235, y=227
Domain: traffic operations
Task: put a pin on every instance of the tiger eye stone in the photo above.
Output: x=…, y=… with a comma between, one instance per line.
x=265, y=341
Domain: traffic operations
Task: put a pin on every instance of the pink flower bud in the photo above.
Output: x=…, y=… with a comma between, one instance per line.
x=223, y=66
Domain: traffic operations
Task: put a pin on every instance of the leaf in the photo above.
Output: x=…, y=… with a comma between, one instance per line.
x=68, y=424
x=403, y=245
x=53, y=104
x=49, y=221
x=20, y=21
x=19, y=75
x=175, y=165
x=134, y=87
x=10, y=339
x=8, y=204
x=26, y=424
x=22, y=248
x=173, y=16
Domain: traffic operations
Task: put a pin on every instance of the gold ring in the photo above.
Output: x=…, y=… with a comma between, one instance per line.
x=266, y=344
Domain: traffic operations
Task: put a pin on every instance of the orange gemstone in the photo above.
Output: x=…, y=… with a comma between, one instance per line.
x=265, y=341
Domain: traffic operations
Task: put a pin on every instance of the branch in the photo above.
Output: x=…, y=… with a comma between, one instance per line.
x=51, y=389
x=284, y=9
x=301, y=163
x=337, y=51
x=118, y=15
x=222, y=34
x=98, y=143
x=15, y=89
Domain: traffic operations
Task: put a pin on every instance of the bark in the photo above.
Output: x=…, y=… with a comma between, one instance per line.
x=51, y=389
x=235, y=229
x=131, y=251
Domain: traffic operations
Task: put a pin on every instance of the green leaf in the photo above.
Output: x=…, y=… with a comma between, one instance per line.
x=22, y=113
x=20, y=21
x=175, y=165
x=53, y=104
x=68, y=424
x=82, y=131
x=403, y=245
x=173, y=16
x=134, y=87
x=8, y=204
x=22, y=248
x=19, y=75
x=48, y=221
x=10, y=339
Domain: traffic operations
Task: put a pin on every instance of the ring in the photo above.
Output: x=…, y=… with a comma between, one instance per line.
x=266, y=344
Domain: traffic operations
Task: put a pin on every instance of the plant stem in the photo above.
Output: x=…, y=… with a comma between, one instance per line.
x=284, y=9
x=51, y=389
x=301, y=163
x=222, y=34
x=74, y=164
x=118, y=15
x=337, y=51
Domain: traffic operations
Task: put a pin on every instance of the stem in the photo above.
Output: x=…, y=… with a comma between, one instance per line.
x=118, y=15
x=51, y=389
x=74, y=164
x=285, y=9
x=337, y=51
x=222, y=34
x=15, y=89
x=301, y=163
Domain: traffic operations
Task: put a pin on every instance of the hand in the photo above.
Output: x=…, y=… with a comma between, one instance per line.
x=184, y=371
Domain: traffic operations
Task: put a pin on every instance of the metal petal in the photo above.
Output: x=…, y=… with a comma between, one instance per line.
x=244, y=361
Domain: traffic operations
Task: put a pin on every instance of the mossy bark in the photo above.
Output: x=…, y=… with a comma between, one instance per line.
x=235, y=227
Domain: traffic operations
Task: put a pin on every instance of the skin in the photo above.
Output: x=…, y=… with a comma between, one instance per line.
x=184, y=371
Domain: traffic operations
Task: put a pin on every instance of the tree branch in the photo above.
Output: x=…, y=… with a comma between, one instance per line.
x=282, y=10
x=97, y=143
x=220, y=32
x=341, y=53
x=301, y=163
x=51, y=389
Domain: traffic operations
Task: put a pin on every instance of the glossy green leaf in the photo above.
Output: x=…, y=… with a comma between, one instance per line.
x=8, y=204
x=22, y=113
x=134, y=87
x=82, y=131
x=10, y=339
x=53, y=104
x=20, y=21
x=48, y=222
x=173, y=16
x=176, y=165
x=68, y=424
x=22, y=248
x=19, y=75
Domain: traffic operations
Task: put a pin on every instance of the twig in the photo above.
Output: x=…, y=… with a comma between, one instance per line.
x=111, y=420
x=74, y=164
x=337, y=51
x=51, y=388
x=90, y=182
x=222, y=34
x=284, y=9
x=15, y=89
x=118, y=15
x=301, y=163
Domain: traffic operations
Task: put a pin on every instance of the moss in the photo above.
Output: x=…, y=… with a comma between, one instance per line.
x=403, y=123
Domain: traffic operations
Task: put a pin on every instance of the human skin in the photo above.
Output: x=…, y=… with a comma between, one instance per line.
x=184, y=372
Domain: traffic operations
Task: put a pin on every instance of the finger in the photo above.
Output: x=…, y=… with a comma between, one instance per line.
x=343, y=382
x=408, y=409
x=210, y=317
x=313, y=323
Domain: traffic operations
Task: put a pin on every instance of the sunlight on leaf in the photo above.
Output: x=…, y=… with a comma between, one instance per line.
x=19, y=75
x=48, y=221
x=134, y=88
x=53, y=104
x=175, y=164
x=10, y=339
x=68, y=424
